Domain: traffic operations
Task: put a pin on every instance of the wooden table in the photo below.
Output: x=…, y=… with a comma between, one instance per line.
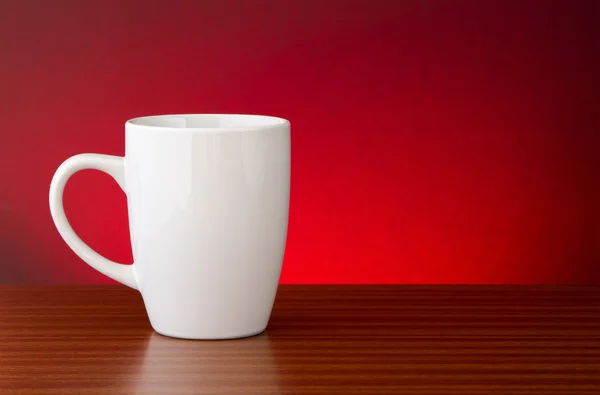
x=321, y=339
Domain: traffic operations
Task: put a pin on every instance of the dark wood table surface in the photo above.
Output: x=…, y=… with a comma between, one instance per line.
x=321, y=339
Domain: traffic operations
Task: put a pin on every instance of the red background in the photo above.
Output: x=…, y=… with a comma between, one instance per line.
x=433, y=141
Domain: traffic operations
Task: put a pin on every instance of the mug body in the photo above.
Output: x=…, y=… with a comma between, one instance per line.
x=208, y=200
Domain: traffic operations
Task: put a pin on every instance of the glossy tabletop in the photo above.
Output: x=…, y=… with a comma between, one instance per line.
x=321, y=340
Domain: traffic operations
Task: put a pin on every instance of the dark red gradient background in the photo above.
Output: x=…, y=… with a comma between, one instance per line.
x=433, y=141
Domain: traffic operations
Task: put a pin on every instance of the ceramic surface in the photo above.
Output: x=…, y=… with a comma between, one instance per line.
x=208, y=200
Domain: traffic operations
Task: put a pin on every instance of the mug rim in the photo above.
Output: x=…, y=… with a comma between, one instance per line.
x=174, y=122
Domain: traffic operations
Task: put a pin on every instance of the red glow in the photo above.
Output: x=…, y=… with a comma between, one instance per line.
x=433, y=141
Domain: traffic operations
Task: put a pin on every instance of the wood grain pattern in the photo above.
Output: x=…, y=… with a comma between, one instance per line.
x=321, y=340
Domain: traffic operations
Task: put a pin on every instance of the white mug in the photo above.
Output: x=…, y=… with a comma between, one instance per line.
x=208, y=201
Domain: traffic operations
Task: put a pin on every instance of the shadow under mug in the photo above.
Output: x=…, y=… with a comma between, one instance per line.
x=208, y=202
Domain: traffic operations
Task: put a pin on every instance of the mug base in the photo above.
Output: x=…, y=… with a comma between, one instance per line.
x=224, y=336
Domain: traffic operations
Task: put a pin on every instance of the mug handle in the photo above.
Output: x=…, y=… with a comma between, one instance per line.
x=113, y=166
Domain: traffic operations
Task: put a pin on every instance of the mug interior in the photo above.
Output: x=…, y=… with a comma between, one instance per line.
x=207, y=121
